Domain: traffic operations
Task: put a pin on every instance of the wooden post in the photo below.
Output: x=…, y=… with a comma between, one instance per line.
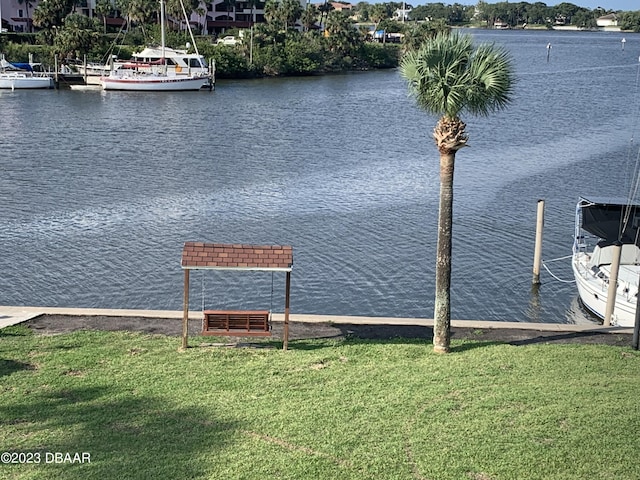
x=285, y=342
x=537, y=254
x=613, y=283
x=636, y=326
x=185, y=309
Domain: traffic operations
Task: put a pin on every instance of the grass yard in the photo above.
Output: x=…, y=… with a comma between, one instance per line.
x=323, y=410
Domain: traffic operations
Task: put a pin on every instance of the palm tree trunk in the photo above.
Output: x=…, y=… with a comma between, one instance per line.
x=442, y=311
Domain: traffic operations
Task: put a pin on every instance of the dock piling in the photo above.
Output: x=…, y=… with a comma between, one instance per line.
x=537, y=254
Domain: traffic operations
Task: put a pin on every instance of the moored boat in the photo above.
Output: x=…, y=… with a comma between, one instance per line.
x=602, y=225
x=179, y=62
x=148, y=73
x=21, y=76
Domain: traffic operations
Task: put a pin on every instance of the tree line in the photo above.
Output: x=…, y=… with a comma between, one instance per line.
x=292, y=41
x=289, y=42
x=512, y=14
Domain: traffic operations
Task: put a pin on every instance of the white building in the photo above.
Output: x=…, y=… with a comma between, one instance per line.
x=610, y=20
x=16, y=17
x=402, y=14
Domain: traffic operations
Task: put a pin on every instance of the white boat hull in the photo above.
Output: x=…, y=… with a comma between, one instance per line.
x=594, y=290
x=153, y=83
x=15, y=81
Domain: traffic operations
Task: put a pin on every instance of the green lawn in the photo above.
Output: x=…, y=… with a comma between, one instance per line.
x=323, y=410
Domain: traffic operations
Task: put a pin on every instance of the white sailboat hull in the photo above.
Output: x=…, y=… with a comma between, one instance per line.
x=593, y=289
x=153, y=83
x=19, y=80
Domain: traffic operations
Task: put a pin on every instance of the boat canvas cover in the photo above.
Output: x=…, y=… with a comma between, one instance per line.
x=604, y=218
x=15, y=66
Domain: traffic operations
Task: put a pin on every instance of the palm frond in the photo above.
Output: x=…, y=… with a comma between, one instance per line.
x=448, y=75
x=490, y=80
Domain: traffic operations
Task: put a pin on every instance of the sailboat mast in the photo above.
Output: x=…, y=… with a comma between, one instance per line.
x=161, y=29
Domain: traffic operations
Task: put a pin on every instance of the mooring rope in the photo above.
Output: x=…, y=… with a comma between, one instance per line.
x=544, y=264
x=559, y=258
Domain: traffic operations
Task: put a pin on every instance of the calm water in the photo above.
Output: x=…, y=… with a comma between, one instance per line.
x=99, y=190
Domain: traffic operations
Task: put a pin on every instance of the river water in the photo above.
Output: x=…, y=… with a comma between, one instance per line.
x=99, y=190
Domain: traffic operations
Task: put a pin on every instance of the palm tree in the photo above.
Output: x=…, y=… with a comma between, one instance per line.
x=447, y=76
x=324, y=10
x=291, y=11
x=378, y=13
x=202, y=14
x=342, y=37
x=104, y=8
x=137, y=11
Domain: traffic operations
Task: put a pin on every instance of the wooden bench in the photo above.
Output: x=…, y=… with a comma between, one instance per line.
x=237, y=323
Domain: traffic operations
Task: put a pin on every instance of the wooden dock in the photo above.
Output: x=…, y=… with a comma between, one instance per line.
x=65, y=80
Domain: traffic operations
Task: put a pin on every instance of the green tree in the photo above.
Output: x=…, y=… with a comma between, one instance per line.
x=430, y=11
x=291, y=11
x=630, y=21
x=49, y=17
x=362, y=9
x=77, y=36
x=104, y=8
x=309, y=16
x=377, y=14
x=537, y=13
x=584, y=19
x=174, y=8
x=416, y=33
x=342, y=36
x=272, y=11
x=448, y=76
x=202, y=15
x=324, y=9
x=302, y=56
x=138, y=11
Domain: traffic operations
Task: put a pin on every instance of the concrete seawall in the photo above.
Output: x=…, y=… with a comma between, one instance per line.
x=13, y=315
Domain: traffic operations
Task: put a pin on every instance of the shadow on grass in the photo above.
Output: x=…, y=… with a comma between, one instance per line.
x=126, y=435
x=7, y=367
x=15, y=331
x=573, y=337
x=472, y=345
x=376, y=333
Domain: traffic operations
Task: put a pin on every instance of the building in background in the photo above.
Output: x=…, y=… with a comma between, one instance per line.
x=211, y=18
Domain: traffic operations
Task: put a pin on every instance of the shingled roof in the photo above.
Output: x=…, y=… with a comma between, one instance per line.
x=199, y=255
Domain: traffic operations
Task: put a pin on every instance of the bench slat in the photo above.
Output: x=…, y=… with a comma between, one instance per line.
x=236, y=323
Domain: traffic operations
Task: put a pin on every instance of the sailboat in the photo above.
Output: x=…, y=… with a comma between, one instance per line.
x=601, y=225
x=606, y=247
x=158, y=77
x=21, y=75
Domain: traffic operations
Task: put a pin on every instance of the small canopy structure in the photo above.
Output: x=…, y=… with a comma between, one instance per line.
x=220, y=256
